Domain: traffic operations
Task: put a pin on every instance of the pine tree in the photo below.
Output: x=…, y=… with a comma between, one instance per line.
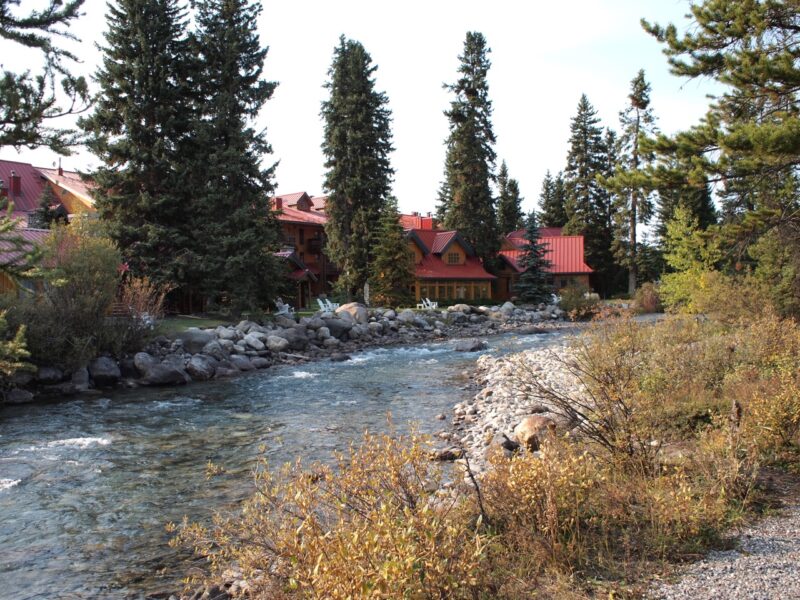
x=49, y=210
x=392, y=269
x=696, y=200
x=235, y=227
x=509, y=209
x=139, y=130
x=628, y=182
x=587, y=203
x=28, y=102
x=466, y=202
x=533, y=283
x=357, y=144
x=551, y=201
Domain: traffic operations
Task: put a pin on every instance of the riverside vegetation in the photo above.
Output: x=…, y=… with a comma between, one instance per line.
x=657, y=453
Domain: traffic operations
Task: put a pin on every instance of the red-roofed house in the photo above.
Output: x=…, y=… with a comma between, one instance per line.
x=565, y=253
x=302, y=218
x=418, y=221
x=446, y=268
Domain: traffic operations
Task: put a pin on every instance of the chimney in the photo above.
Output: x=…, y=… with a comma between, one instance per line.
x=60, y=170
x=430, y=214
x=16, y=184
x=278, y=203
x=415, y=213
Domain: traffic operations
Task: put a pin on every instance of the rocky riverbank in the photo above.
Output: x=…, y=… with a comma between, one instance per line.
x=504, y=416
x=203, y=354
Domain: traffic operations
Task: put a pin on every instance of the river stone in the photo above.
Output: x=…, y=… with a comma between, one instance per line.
x=531, y=431
x=18, y=396
x=80, y=379
x=245, y=326
x=296, y=338
x=239, y=349
x=375, y=328
x=277, y=344
x=143, y=361
x=104, y=371
x=330, y=342
x=285, y=322
x=22, y=377
x=315, y=323
x=227, y=333
x=252, y=341
x=323, y=333
x=448, y=454
x=339, y=357
x=470, y=345
x=407, y=316
x=194, y=339
x=461, y=307
x=215, y=349
x=165, y=374
x=337, y=327
x=49, y=375
x=227, y=345
x=242, y=362
x=458, y=317
x=358, y=312
x=390, y=314
x=201, y=367
x=259, y=362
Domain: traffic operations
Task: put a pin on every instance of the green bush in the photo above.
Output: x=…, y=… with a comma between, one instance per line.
x=578, y=302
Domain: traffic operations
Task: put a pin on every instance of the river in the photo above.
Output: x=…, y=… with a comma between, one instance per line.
x=87, y=485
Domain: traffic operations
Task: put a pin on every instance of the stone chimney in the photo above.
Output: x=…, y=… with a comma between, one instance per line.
x=16, y=184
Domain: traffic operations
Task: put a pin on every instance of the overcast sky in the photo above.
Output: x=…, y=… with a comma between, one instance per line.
x=544, y=56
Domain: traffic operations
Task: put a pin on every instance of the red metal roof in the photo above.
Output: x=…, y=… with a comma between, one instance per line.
x=417, y=221
x=32, y=237
x=565, y=254
x=433, y=267
x=292, y=215
x=436, y=241
x=31, y=185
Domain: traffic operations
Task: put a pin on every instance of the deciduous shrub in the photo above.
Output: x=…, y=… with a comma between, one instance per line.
x=578, y=302
x=647, y=299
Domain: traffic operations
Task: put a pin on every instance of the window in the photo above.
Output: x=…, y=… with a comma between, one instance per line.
x=453, y=258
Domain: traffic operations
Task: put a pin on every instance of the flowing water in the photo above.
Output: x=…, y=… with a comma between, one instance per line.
x=87, y=485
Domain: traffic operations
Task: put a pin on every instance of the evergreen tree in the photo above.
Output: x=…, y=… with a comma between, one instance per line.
x=28, y=102
x=466, y=201
x=356, y=145
x=629, y=183
x=696, y=200
x=236, y=229
x=139, y=129
x=551, y=201
x=587, y=203
x=49, y=210
x=392, y=269
x=533, y=283
x=509, y=209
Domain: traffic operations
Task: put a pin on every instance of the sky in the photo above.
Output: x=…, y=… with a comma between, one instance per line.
x=544, y=56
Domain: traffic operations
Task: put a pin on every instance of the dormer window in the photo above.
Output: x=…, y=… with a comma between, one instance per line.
x=453, y=258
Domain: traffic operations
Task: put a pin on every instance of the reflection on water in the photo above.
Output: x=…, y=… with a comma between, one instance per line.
x=86, y=486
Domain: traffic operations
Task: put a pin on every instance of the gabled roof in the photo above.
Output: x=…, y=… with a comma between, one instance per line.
x=291, y=212
x=301, y=271
x=32, y=238
x=72, y=182
x=433, y=267
x=31, y=185
x=434, y=241
x=565, y=254
x=517, y=238
x=292, y=215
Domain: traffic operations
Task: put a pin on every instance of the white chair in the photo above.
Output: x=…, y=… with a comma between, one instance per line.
x=332, y=306
x=322, y=306
x=283, y=309
x=430, y=305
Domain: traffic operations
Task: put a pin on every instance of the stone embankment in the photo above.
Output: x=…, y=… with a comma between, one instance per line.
x=506, y=414
x=203, y=354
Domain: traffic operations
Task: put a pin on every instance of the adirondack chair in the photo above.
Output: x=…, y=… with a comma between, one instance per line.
x=322, y=305
x=332, y=306
x=283, y=309
x=429, y=304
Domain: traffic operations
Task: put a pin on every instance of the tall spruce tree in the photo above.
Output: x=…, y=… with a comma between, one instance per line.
x=509, y=209
x=29, y=102
x=236, y=230
x=629, y=183
x=466, y=201
x=392, y=269
x=357, y=144
x=533, y=283
x=587, y=203
x=139, y=129
x=551, y=201
x=696, y=199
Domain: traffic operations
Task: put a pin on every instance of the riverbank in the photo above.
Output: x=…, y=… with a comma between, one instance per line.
x=223, y=352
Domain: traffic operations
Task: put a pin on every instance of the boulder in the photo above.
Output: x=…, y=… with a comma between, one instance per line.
x=104, y=371
x=296, y=338
x=337, y=327
x=390, y=314
x=245, y=326
x=407, y=316
x=339, y=357
x=80, y=379
x=284, y=321
x=49, y=375
x=447, y=454
x=375, y=328
x=507, y=308
x=143, y=361
x=259, y=362
x=347, y=317
x=128, y=368
x=501, y=445
x=194, y=339
x=277, y=344
x=323, y=333
x=532, y=430
x=242, y=363
x=252, y=340
x=462, y=308
x=18, y=396
x=458, y=317
x=228, y=333
x=216, y=349
x=227, y=346
x=356, y=310
x=315, y=323
x=330, y=342
x=165, y=374
x=201, y=367
x=470, y=345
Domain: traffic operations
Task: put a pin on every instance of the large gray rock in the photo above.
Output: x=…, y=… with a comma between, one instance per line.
x=356, y=310
x=143, y=361
x=277, y=344
x=165, y=374
x=285, y=322
x=470, y=345
x=252, y=340
x=228, y=333
x=531, y=431
x=337, y=327
x=375, y=328
x=215, y=348
x=462, y=308
x=245, y=326
x=390, y=314
x=49, y=375
x=323, y=333
x=507, y=308
x=201, y=367
x=194, y=339
x=315, y=323
x=242, y=362
x=80, y=379
x=296, y=338
x=407, y=316
x=259, y=362
x=458, y=317
x=18, y=396
x=104, y=371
